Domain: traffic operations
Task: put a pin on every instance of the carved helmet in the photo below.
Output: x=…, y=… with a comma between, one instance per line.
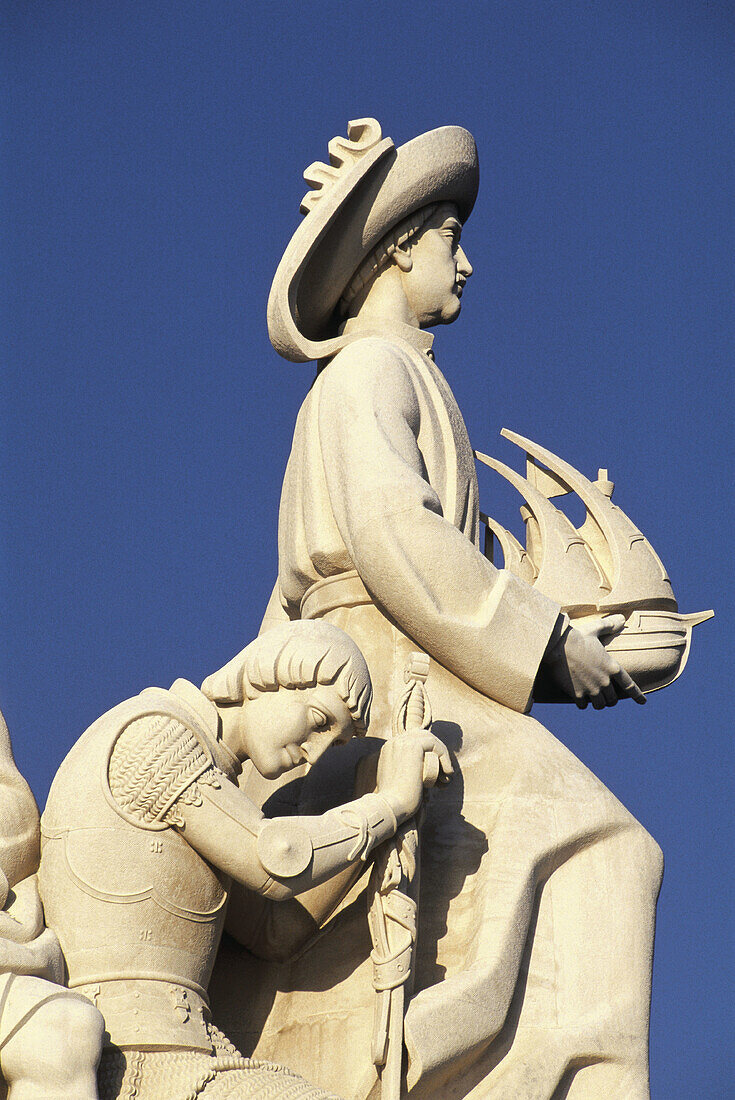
x=368, y=187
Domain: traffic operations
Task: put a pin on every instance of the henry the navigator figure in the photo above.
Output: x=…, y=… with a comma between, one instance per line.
x=538, y=888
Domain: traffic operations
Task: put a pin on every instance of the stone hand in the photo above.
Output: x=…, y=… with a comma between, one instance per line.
x=40, y=957
x=22, y=917
x=26, y=946
x=583, y=669
x=402, y=772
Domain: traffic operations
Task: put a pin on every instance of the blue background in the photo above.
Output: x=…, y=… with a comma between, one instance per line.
x=151, y=161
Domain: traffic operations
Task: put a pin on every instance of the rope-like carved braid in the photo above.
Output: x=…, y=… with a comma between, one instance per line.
x=129, y=756
x=381, y=255
x=154, y=761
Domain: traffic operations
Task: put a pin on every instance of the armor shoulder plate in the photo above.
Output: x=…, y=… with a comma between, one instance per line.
x=153, y=761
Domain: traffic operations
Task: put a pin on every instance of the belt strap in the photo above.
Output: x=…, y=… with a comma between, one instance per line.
x=342, y=590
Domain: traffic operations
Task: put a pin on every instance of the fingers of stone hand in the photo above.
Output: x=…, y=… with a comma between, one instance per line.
x=444, y=758
x=626, y=687
x=610, y=694
x=429, y=742
x=611, y=624
x=432, y=770
x=607, y=692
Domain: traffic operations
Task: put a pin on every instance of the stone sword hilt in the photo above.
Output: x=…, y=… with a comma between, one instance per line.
x=418, y=711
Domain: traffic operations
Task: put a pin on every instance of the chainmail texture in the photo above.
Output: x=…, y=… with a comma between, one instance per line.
x=189, y=1074
x=154, y=762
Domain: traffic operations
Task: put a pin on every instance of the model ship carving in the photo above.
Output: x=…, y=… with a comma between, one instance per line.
x=605, y=567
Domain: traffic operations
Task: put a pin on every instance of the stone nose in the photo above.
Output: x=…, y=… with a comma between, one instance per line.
x=464, y=267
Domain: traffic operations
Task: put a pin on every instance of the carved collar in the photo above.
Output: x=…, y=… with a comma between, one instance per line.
x=418, y=338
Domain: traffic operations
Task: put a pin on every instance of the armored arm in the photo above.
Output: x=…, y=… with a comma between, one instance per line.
x=160, y=773
x=282, y=857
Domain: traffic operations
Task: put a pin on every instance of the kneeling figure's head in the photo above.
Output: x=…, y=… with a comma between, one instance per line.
x=290, y=694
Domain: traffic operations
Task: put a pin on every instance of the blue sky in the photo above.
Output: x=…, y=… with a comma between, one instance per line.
x=152, y=157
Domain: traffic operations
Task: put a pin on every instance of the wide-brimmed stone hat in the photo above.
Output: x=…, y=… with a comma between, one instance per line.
x=366, y=189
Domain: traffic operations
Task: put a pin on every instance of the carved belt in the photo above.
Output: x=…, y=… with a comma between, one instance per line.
x=152, y=1012
x=342, y=590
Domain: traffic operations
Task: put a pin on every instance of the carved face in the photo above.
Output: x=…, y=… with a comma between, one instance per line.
x=281, y=729
x=435, y=269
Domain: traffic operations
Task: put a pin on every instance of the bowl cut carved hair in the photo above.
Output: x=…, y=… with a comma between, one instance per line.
x=298, y=654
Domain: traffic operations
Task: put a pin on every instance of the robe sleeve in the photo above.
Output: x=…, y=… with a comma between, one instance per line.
x=485, y=625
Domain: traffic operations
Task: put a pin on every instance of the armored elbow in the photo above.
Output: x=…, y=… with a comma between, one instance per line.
x=285, y=849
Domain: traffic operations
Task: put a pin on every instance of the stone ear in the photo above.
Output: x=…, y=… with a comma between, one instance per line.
x=402, y=257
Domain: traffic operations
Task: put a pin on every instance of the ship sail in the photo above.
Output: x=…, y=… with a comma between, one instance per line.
x=563, y=565
x=636, y=575
x=515, y=558
x=607, y=565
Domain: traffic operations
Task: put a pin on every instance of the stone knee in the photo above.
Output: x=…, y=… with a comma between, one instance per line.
x=651, y=860
x=603, y=1080
x=598, y=910
x=640, y=879
x=51, y=1047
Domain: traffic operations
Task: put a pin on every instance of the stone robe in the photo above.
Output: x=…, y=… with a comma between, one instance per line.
x=538, y=888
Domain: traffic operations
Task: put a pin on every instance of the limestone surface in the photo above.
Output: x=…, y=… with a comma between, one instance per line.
x=425, y=893
x=536, y=905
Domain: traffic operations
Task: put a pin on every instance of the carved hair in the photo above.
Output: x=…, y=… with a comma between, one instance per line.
x=300, y=654
x=380, y=256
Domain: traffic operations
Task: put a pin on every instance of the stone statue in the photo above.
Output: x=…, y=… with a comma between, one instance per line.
x=50, y=1038
x=538, y=888
x=145, y=830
